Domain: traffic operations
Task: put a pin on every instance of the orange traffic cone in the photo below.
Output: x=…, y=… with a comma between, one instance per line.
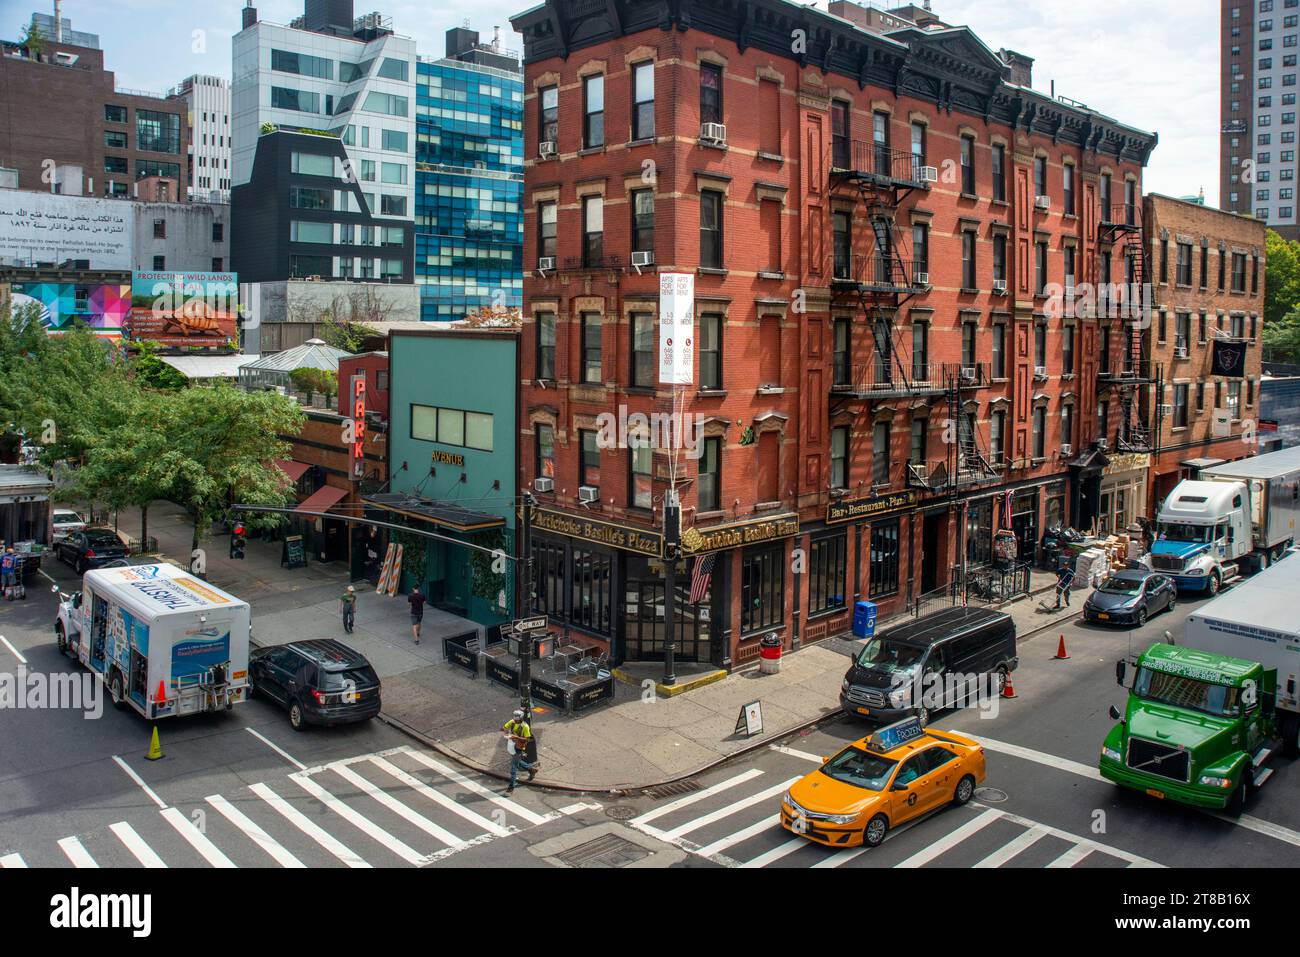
x=161, y=697
x=1008, y=689
x=1061, y=654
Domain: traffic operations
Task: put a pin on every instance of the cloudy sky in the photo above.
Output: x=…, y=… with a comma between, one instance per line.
x=1152, y=64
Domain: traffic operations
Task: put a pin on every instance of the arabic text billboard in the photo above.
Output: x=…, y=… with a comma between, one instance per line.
x=49, y=227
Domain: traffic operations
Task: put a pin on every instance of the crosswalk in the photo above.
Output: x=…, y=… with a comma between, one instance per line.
x=735, y=822
x=396, y=807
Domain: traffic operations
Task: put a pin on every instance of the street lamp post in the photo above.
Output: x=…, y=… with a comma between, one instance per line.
x=672, y=548
x=525, y=605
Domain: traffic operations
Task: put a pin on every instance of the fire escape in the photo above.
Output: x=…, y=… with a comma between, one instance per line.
x=878, y=282
x=1128, y=374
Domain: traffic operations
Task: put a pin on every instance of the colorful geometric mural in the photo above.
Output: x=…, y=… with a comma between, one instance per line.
x=104, y=307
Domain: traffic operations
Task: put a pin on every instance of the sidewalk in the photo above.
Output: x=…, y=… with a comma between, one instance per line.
x=639, y=740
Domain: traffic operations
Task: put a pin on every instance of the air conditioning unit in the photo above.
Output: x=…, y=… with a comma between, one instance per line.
x=588, y=494
x=968, y=373
x=928, y=174
x=643, y=259
x=1102, y=444
x=713, y=132
x=543, y=484
x=546, y=150
x=545, y=262
x=999, y=287
x=1040, y=372
x=1042, y=202
x=1166, y=409
x=1067, y=448
x=921, y=279
x=1180, y=352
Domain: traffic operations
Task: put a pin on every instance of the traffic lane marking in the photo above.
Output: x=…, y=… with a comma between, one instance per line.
x=277, y=749
x=162, y=805
x=16, y=653
x=1247, y=821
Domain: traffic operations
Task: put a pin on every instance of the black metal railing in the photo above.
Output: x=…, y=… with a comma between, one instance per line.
x=1125, y=369
x=879, y=272
x=945, y=596
x=990, y=584
x=866, y=158
x=884, y=377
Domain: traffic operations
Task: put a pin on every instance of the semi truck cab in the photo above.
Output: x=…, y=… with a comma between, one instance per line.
x=1202, y=532
x=1198, y=728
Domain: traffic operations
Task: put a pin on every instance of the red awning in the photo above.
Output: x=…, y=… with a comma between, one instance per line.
x=290, y=468
x=321, y=499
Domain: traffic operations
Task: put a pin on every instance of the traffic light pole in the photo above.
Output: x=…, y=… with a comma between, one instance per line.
x=672, y=548
x=525, y=605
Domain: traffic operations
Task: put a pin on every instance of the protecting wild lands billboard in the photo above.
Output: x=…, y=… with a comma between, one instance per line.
x=184, y=308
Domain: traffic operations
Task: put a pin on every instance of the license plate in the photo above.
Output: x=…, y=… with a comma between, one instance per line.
x=1102, y=615
x=864, y=711
x=1154, y=793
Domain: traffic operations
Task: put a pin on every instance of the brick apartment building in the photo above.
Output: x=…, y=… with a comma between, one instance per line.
x=873, y=205
x=65, y=107
x=1208, y=285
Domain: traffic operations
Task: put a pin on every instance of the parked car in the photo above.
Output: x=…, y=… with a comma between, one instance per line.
x=91, y=548
x=65, y=522
x=319, y=681
x=1130, y=597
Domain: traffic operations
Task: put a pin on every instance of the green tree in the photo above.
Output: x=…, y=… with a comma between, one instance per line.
x=33, y=40
x=152, y=373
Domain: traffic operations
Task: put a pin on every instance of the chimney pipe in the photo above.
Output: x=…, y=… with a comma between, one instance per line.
x=58, y=21
x=496, y=39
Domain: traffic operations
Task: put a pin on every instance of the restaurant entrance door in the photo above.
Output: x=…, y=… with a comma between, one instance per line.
x=644, y=611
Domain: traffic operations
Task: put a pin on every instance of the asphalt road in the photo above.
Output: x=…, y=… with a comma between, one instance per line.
x=242, y=789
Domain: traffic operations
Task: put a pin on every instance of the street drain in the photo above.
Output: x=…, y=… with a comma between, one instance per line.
x=671, y=790
x=991, y=795
x=619, y=812
x=608, y=850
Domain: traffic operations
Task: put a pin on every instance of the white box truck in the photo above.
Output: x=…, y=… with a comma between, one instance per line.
x=1239, y=516
x=162, y=640
x=1257, y=621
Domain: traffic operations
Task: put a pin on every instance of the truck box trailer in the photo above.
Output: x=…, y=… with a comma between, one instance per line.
x=1274, y=483
x=162, y=641
x=1257, y=620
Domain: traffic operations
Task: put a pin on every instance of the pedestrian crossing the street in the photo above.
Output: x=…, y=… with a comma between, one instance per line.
x=391, y=808
x=736, y=823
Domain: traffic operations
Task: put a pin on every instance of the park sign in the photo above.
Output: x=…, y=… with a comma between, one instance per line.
x=184, y=308
x=676, y=328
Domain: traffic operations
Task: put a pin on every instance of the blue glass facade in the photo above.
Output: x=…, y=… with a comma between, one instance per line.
x=469, y=185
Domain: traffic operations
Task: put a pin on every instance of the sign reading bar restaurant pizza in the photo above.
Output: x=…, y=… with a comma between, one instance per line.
x=846, y=510
x=676, y=328
x=184, y=308
x=738, y=534
x=601, y=533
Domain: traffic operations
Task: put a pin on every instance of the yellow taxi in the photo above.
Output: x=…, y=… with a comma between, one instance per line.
x=899, y=773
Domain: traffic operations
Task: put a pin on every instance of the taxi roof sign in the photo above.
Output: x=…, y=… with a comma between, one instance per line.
x=891, y=736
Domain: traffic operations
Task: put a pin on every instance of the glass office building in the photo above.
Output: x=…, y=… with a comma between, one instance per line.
x=469, y=185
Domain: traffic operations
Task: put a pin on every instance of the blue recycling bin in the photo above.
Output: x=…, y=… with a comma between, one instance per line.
x=864, y=619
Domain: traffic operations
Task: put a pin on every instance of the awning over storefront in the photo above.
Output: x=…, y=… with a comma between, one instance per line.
x=322, y=499
x=291, y=468
x=1202, y=463
x=1091, y=459
x=458, y=518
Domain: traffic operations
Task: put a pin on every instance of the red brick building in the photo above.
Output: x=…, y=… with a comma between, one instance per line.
x=873, y=212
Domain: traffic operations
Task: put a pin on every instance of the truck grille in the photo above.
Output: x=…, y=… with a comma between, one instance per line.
x=867, y=697
x=1166, y=563
x=1150, y=757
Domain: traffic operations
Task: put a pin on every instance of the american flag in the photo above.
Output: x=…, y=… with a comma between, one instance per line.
x=700, y=577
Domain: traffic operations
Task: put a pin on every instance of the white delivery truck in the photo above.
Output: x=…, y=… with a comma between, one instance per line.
x=162, y=640
x=1240, y=516
x=1257, y=621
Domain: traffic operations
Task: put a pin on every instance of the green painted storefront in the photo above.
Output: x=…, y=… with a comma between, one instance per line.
x=452, y=451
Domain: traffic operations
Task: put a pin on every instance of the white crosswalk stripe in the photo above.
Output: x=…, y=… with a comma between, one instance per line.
x=764, y=795
x=12, y=860
x=134, y=843
x=505, y=803
x=415, y=784
x=698, y=796
x=77, y=854
x=254, y=832
x=308, y=826
x=1009, y=850
x=951, y=840
x=196, y=838
x=358, y=820
x=401, y=810
x=1071, y=857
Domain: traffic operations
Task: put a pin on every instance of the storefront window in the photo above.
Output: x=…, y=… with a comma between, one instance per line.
x=826, y=573
x=884, y=558
x=644, y=610
x=593, y=576
x=548, y=565
x=762, y=589
x=979, y=532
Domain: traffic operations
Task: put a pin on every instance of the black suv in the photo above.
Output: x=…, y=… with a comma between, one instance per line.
x=91, y=548
x=320, y=681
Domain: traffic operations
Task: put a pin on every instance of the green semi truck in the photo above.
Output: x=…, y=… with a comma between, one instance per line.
x=1199, y=727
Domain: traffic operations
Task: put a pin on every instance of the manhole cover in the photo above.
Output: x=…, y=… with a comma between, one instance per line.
x=671, y=790
x=991, y=795
x=620, y=813
x=608, y=850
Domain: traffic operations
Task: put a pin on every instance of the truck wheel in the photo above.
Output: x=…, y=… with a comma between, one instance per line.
x=115, y=691
x=965, y=790
x=1290, y=727
x=62, y=639
x=296, y=718
x=876, y=830
x=1237, y=803
x=1214, y=583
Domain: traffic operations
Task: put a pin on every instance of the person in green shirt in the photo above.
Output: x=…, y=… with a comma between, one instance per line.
x=348, y=605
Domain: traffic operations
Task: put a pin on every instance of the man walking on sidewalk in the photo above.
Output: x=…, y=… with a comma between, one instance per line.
x=1064, y=578
x=519, y=734
x=416, y=601
x=348, y=605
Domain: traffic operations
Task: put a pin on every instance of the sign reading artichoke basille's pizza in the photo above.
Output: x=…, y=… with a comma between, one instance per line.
x=676, y=328
x=184, y=308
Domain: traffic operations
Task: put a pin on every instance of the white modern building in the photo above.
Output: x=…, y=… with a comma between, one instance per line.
x=208, y=100
x=323, y=157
